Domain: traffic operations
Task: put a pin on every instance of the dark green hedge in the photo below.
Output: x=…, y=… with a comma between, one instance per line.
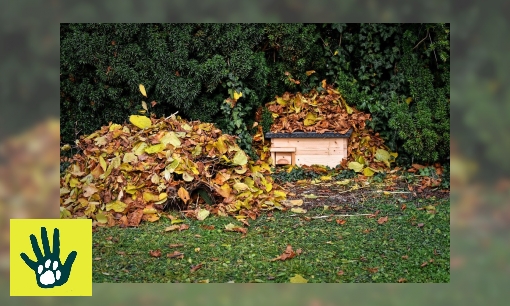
x=191, y=68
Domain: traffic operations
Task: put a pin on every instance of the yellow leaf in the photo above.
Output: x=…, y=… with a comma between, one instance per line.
x=117, y=206
x=382, y=156
x=183, y=194
x=355, y=166
x=142, y=90
x=240, y=186
x=74, y=182
x=153, y=217
x=240, y=158
x=129, y=158
x=171, y=138
x=141, y=122
x=237, y=95
x=149, y=197
x=336, y=52
x=230, y=227
x=298, y=210
x=197, y=150
x=149, y=210
x=139, y=148
x=326, y=178
x=310, y=119
x=144, y=105
x=101, y=218
x=155, y=148
x=298, y=279
x=368, y=172
x=323, y=83
x=280, y=194
x=409, y=100
x=172, y=166
x=343, y=182
x=186, y=127
x=310, y=72
x=202, y=214
x=294, y=202
x=280, y=101
x=348, y=108
x=114, y=127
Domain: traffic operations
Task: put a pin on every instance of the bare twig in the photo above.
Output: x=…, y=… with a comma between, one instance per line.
x=326, y=46
x=393, y=191
x=358, y=215
x=353, y=189
x=428, y=35
x=172, y=115
x=437, y=65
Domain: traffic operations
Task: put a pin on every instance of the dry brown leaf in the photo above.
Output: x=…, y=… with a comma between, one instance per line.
x=382, y=220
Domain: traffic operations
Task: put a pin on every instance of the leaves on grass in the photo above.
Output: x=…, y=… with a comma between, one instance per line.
x=202, y=214
x=341, y=222
x=298, y=210
x=175, y=254
x=155, y=253
x=298, y=279
x=195, y=268
x=233, y=228
x=178, y=245
x=382, y=220
x=287, y=254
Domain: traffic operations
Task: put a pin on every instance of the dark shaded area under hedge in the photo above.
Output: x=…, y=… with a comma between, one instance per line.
x=397, y=72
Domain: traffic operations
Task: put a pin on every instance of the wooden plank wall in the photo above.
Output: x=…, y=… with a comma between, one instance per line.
x=309, y=151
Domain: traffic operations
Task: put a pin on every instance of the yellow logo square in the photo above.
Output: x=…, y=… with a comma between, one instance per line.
x=51, y=257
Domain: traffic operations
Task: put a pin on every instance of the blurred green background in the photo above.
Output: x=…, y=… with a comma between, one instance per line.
x=480, y=110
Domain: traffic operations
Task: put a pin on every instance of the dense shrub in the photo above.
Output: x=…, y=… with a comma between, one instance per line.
x=397, y=72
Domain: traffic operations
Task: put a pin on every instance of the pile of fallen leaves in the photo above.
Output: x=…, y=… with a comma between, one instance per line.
x=124, y=174
x=327, y=111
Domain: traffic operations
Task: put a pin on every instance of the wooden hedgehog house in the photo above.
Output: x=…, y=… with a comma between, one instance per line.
x=308, y=148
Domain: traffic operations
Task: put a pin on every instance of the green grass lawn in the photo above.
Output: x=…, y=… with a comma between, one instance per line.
x=412, y=246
